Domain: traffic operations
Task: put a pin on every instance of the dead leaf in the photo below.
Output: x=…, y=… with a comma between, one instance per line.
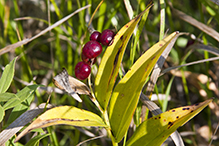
x=71, y=85
x=208, y=30
x=20, y=122
x=25, y=41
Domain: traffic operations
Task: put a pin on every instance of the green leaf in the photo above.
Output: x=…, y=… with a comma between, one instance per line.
x=65, y=115
x=26, y=96
x=157, y=129
x=110, y=63
x=12, y=102
x=10, y=142
x=101, y=18
x=27, y=91
x=7, y=76
x=6, y=96
x=136, y=41
x=2, y=113
x=126, y=93
x=20, y=96
x=36, y=139
x=20, y=109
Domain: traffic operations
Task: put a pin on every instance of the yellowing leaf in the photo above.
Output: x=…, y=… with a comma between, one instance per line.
x=64, y=115
x=126, y=94
x=157, y=129
x=110, y=63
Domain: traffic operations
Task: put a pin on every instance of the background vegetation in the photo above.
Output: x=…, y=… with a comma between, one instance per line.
x=41, y=59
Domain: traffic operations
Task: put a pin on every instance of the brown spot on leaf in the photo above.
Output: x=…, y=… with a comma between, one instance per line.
x=170, y=124
x=196, y=104
x=125, y=37
x=177, y=117
x=117, y=55
x=164, y=120
x=173, y=110
x=73, y=120
x=121, y=37
x=161, y=45
x=114, y=63
x=153, y=58
x=191, y=111
x=186, y=108
x=82, y=110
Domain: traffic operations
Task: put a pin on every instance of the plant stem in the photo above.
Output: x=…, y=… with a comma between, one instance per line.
x=104, y=112
x=92, y=96
x=106, y=119
x=53, y=136
x=162, y=18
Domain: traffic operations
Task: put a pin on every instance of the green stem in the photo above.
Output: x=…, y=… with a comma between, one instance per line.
x=125, y=137
x=114, y=143
x=106, y=119
x=92, y=96
x=53, y=136
x=162, y=18
x=104, y=112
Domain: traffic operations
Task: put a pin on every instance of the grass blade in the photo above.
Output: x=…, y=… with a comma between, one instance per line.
x=208, y=30
x=36, y=139
x=2, y=113
x=21, y=121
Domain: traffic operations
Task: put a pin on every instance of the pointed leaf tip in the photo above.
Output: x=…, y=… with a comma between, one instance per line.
x=110, y=63
x=126, y=93
x=157, y=129
x=67, y=115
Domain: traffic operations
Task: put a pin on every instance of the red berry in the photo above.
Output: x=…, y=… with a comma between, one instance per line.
x=189, y=43
x=92, y=49
x=95, y=36
x=106, y=37
x=88, y=60
x=82, y=70
x=84, y=58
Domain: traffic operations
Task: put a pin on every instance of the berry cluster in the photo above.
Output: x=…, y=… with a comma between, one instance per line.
x=91, y=50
